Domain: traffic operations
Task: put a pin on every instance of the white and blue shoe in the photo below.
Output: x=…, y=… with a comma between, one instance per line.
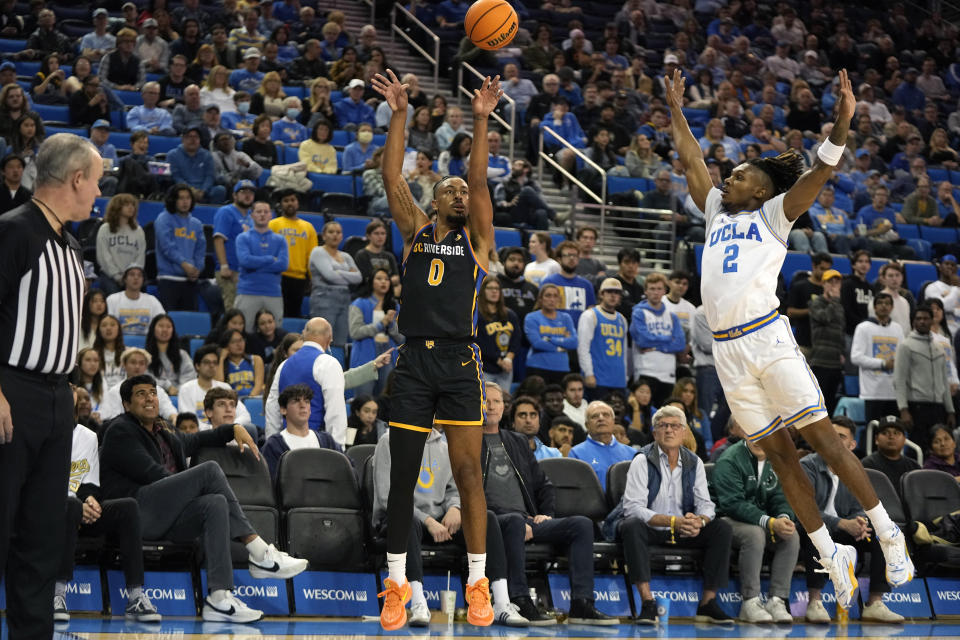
x=842, y=567
x=899, y=565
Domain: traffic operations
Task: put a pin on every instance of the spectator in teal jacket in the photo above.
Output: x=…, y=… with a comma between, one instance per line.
x=749, y=497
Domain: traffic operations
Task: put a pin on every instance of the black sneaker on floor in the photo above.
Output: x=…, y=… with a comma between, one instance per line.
x=711, y=612
x=584, y=612
x=529, y=611
x=648, y=613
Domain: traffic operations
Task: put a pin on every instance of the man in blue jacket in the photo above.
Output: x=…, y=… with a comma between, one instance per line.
x=193, y=165
x=352, y=111
x=262, y=256
x=657, y=338
x=523, y=498
x=181, y=250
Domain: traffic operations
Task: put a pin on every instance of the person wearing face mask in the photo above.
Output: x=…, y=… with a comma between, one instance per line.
x=518, y=200
x=287, y=130
x=359, y=154
x=241, y=120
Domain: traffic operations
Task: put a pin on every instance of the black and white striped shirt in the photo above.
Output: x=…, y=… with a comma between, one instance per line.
x=41, y=293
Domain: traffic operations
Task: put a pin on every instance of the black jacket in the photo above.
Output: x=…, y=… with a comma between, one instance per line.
x=537, y=490
x=130, y=458
x=8, y=203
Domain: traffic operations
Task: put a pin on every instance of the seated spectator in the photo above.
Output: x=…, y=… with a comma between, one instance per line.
x=454, y=160
x=48, y=85
x=267, y=334
x=374, y=256
x=551, y=334
x=133, y=363
x=248, y=78
x=907, y=94
x=28, y=134
x=95, y=44
x=86, y=106
x=190, y=113
x=641, y=161
x=181, y=250
x=217, y=89
x=947, y=205
x=658, y=131
x=939, y=151
x=831, y=222
x=661, y=506
x=206, y=362
x=260, y=147
x=422, y=175
x=174, y=82
x=905, y=183
x=601, y=450
x=330, y=50
x=373, y=328
x=421, y=137
x=531, y=519
x=525, y=420
x=151, y=48
x=318, y=105
x=89, y=515
x=13, y=104
x=308, y=26
x=879, y=218
x=269, y=97
x=373, y=186
x=794, y=141
x=309, y=65
x=317, y=152
x=347, y=68
x=715, y=134
x=134, y=308
x=451, y=128
x=248, y=36
x=13, y=193
x=764, y=137
x=108, y=342
x=232, y=166
x=122, y=68
x=169, y=364
x=848, y=525
x=750, y=499
x=943, y=456
x=203, y=64
x=287, y=130
x=498, y=166
x=920, y=208
x=241, y=370
x=363, y=421
x=294, y=404
x=518, y=200
x=574, y=406
x=358, y=154
x=889, y=439
x=167, y=492
x=48, y=39
x=192, y=165
x=148, y=116
x=352, y=110
x=134, y=176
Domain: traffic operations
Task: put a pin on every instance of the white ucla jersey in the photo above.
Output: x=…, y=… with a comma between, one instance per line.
x=742, y=258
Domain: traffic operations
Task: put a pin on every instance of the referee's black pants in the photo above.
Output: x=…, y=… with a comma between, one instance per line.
x=34, y=469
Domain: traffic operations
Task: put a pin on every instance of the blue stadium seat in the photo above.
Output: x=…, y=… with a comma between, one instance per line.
x=149, y=210
x=340, y=355
x=938, y=175
x=916, y=273
x=191, y=323
x=254, y=405
x=875, y=264
x=12, y=46
x=195, y=343
x=205, y=213
x=923, y=248
x=340, y=138
x=135, y=341
x=52, y=112
x=294, y=325
x=162, y=144
x=27, y=67
x=353, y=226
x=841, y=264
x=396, y=241
x=698, y=252
x=129, y=98
x=938, y=234
x=696, y=116
x=853, y=408
x=842, y=201
x=379, y=139
x=617, y=184
x=315, y=219
x=335, y=183
x=555, y=239
x=795, y=262
x=507, y=237
x=336, y=96
x=851, y=385
x=290, y=155
x=908, y=231
x=77, y=131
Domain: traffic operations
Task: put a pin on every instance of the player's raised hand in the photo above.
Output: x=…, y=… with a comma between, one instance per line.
x=487, y=97
x=674, y=89
x=391, y=89
x=847, y=103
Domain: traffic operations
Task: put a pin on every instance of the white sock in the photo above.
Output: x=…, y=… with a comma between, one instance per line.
x=416, y=593
x=60, y=589
x=823, y=542
x=882, y=524
x=397, y=567
x=477, y=564
x=501, y=597
x=257, y=548
x=218, y=595
x=134, y=593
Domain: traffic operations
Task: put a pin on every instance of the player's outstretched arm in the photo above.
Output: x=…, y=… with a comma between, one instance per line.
x=480, y=209
x=691, y=155
x=404, y=209
x=803, y=193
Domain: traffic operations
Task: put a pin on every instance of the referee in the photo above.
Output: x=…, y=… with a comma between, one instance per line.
x=41, y=290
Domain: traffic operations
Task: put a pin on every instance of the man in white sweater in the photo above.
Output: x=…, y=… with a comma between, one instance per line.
x=207, y=361
x=134, y=308
x=873, y=349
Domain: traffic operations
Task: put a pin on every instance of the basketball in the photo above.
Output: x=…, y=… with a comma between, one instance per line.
x=491, y=24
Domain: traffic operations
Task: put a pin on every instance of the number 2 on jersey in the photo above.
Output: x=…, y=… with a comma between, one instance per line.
x=435, y=275
x=730, y=259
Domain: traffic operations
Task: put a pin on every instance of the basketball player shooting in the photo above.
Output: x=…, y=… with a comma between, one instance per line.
x=438, y=375
x=764, y=376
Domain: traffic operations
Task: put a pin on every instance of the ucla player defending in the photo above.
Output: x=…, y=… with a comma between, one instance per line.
x=438, y=376
x=766, y=380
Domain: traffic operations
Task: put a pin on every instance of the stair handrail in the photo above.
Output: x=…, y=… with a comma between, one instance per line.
x=509, y=126
x=601, y=199
x=395, y=29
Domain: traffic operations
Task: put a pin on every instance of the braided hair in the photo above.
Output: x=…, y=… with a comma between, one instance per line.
x=783, y=170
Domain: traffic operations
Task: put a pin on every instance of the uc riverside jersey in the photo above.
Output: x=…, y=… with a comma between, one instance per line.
x=441, y=281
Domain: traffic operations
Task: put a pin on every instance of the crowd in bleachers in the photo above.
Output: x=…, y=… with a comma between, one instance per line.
x=220, y=127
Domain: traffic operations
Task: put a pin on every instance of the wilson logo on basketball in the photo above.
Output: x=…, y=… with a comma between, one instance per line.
x=504, y=37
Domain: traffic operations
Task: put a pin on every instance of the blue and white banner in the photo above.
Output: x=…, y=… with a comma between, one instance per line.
x=270, y=596
x=434, y=584
x=171, y=592
x=330, y=593
x=910, y=600
x=799, y=597
x=683, y=592
x=85, y=591
x=944, y=596
x=609, y=593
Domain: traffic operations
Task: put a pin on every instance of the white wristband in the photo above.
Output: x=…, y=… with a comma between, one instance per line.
x=830, y=153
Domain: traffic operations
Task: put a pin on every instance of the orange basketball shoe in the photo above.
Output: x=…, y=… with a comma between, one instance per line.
x=394, y=613
x=479, y=609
